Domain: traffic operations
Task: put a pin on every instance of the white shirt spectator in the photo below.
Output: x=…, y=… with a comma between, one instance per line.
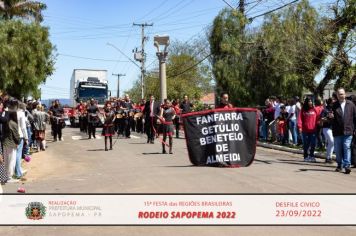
x=277, y=110
x=342, y=104
x=292, y=110
x=21, y=121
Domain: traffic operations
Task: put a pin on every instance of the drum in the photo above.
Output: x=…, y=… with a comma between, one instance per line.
x=138, y=115
x=101, y=119
x=60, y=121
x=93, y=118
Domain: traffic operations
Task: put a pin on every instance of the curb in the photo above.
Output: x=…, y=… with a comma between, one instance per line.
x=287, y=149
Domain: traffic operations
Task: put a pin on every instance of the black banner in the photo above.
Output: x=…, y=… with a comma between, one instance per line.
x=221, y=137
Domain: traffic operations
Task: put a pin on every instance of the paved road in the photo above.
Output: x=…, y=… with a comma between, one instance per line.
x=78, y=165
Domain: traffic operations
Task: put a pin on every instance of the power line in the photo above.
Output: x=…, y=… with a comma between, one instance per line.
x=276, y=9
x=199, y=62
x=186, y=43
x=164, y=16
x=154, y=9
x=189, y=68
x=178, y=29
x=245, y=4
x=112, y=45
x=258, y=3
x=167, y=11
x=228, y=4
x=118, y=82
x=90, y=58
x=142, y=54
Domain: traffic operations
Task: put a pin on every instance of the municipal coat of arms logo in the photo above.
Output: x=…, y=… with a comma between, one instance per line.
x=35, y=211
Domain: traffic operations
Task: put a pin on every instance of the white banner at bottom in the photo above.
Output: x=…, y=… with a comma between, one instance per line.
x=177, y=209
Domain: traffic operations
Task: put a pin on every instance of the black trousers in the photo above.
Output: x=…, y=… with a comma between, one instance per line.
x=57, y=130
x=151, y=127
x=92, y=129
x=81, y=123
x=85, y=125
x=176, y=124
x=128, y=125
x=122, y=124
x=139, y=125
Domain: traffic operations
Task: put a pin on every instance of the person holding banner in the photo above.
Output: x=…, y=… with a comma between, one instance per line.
x=186, y=106
x=167, y=115
x=224, y=101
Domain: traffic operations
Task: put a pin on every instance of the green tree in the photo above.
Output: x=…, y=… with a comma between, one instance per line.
x=10, y=9
x=284, y=45
x=26, y=56
x=285, y=54
x=334, y=39
x=230, y=55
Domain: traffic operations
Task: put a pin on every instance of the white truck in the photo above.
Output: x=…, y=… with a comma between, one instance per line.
x=86, y=84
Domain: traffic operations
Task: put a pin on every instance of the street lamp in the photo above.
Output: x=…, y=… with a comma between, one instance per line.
x=162, y=40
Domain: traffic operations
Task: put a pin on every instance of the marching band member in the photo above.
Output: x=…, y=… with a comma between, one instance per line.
x=80, y=110
x=108, y=128
x=167, y=115
x=120, y=121
x=93, y=118
x=57, y=120
x=84, y=115
x=139, y=116
x=128, y=107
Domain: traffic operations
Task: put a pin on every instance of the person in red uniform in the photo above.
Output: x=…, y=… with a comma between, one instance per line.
x=80, y=109
x=108, y=128
x=224, y=101
x=167, y=114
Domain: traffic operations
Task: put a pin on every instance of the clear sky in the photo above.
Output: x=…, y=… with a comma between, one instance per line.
x=81, y=29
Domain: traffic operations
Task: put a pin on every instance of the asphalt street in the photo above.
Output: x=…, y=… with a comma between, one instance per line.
x=79, y=165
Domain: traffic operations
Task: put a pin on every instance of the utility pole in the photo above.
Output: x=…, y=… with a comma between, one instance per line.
x=141, y=58
x=242, y=10
x=118, y=83
x=242, y=6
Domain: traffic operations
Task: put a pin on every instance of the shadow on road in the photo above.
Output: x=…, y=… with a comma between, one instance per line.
x=151, y=153
x=303, y=170
x=266, y=162
x=96, y=150
x=320, y=164
x=182, y=166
